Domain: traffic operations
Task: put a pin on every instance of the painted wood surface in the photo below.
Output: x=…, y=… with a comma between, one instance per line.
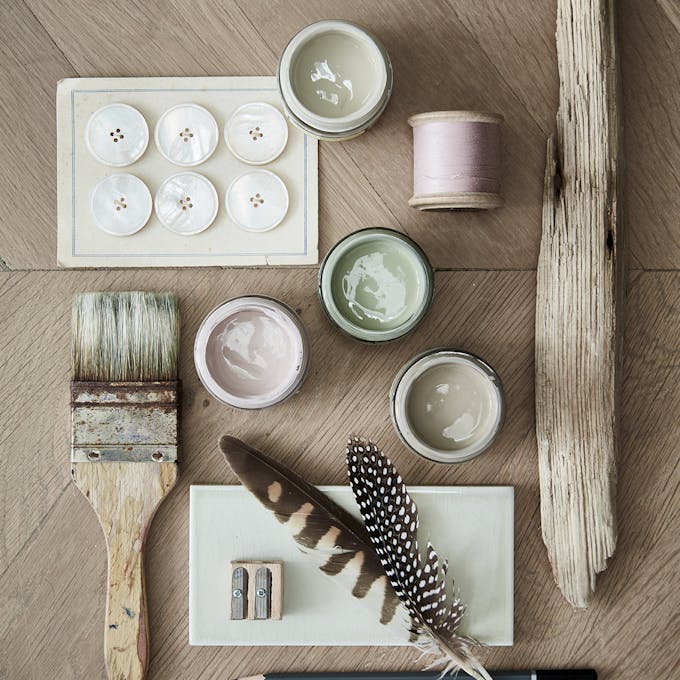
x=53, y=564
x=457, y=54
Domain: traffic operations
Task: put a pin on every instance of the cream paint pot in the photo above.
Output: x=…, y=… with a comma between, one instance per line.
x=376, y=285
x=252, y=352
x=447, y=405
x=335, y=79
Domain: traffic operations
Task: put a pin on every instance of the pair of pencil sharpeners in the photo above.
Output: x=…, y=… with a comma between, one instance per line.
x=256, y=590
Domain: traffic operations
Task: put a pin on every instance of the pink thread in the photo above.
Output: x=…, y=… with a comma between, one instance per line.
x=455, y=156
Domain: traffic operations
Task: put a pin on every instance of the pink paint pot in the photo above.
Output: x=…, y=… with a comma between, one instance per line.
x=252, y=352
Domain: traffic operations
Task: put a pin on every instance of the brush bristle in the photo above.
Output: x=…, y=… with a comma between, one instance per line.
x=125, y=337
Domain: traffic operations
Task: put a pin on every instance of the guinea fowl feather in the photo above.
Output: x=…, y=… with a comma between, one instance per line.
x=391, y=519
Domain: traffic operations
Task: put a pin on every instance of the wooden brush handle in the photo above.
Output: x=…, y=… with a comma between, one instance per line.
x=125, y=497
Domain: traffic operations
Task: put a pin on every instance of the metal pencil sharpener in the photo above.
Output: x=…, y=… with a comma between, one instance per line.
x=256, y=590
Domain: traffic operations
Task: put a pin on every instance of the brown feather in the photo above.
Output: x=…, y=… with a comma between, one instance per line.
x=319, y=525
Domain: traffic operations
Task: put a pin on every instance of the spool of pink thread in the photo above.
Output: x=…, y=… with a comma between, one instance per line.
x=456, y=160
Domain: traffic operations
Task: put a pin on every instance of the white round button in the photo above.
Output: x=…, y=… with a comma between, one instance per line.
x=120, y=204
x=116, y=135
x=186, y=203
x=257, y=200
x=256, y=133
x=186, y=134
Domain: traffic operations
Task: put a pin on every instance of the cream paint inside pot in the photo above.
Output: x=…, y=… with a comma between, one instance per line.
x=334, y=74
x=452, y=406
x=254, y=353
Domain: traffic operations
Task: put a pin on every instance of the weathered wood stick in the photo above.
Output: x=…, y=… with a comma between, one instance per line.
x=578, y=310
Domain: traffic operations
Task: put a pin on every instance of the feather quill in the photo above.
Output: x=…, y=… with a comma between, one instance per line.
x=336, y=539
x=391, y=519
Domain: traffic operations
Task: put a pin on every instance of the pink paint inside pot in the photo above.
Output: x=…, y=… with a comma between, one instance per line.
x=251, y=352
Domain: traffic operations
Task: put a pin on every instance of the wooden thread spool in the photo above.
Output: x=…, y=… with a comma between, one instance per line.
x=456, y=160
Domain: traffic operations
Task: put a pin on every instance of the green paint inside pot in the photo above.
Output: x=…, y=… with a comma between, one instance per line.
x=379, y=284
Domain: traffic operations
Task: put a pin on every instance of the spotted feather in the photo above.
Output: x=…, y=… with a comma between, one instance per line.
x=391, y=519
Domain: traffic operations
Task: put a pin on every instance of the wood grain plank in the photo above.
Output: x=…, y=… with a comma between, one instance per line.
x=34, y=431
x=345, y=395
x=438, y=64
x=649, y=37
x=52, y=594
x=53, y=598
x=456, y=55
x=135, y=38
x=521, y=46
x=52, y=577
x=31, y=66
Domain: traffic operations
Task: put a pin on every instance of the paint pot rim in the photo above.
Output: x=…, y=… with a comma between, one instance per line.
x=341, y=125
x=327, y=299
x=227, y=309
x=400, y=393
x=332, y=136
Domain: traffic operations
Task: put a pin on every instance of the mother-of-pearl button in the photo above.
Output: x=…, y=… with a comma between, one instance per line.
x=257, y=200
x=186, y=134
x=116, y=135
x=121, y=204
x=257, y=133
x=186, y=203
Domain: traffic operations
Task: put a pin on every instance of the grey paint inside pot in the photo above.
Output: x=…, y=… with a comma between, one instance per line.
x=447, y=405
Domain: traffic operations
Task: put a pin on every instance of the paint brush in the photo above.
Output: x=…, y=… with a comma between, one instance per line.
x=125, y=444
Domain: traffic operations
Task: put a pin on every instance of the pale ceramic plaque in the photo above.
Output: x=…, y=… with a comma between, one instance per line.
x=471, y=525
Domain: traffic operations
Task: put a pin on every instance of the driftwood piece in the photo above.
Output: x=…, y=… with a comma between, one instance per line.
x=578, y=311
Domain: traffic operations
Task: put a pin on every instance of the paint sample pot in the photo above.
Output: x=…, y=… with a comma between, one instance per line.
x=376, y=285
x=335, y=79
x=447, y=406
x=252, y=352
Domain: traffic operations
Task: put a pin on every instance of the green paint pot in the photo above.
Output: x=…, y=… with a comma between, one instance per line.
x=376, y=285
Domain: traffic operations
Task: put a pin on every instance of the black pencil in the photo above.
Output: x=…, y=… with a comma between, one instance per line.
x=566, y=674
